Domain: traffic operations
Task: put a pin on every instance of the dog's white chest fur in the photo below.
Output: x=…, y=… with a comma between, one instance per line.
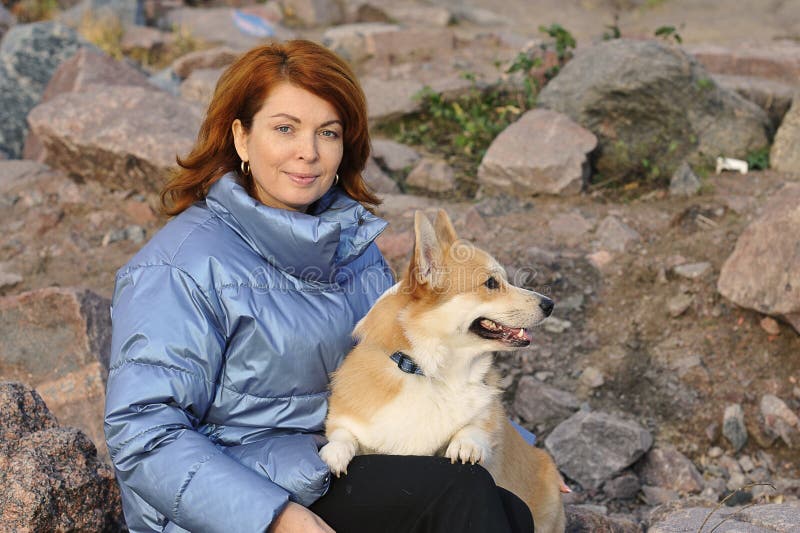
x=423, y=417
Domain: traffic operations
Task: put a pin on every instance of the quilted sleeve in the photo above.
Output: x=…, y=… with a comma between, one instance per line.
x=167, y=351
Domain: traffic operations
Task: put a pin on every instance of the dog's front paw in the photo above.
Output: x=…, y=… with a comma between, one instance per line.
x=469, y=447
x=338, y=454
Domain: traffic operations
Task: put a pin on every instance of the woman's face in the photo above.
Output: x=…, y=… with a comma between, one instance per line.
x=294, y=147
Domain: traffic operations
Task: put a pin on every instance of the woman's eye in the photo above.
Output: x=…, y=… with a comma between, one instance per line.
x=284, y=129
x=492, y=283
x=330, y=133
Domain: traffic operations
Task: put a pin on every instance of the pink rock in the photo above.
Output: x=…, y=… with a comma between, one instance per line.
x=543, y=152
x=778, y=61
x=395, y=245
x=53, y=478
x=123, y=137
x=763, y=273
x=212, y=58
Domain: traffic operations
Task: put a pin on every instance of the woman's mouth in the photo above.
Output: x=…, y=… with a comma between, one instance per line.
x=302, y=179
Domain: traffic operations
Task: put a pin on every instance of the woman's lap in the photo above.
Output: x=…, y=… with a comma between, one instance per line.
x=419, y=494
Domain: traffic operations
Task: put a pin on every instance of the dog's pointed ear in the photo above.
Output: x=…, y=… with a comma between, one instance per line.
x=444, y=229
x=427, y=251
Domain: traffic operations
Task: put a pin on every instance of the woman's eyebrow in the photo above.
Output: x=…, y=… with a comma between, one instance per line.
x=298, y=121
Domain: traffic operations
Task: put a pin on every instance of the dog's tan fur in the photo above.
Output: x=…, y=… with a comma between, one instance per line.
x=455, y=408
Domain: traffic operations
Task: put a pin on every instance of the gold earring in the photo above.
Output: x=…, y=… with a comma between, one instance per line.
x=336, y=179
x=245, y=166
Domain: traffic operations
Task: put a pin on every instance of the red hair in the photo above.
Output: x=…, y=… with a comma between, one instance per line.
x=240, y=93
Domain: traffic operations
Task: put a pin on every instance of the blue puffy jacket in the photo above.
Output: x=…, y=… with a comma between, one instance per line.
x=226, y=326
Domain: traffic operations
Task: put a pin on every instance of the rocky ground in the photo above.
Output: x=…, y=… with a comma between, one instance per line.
x=660, y=385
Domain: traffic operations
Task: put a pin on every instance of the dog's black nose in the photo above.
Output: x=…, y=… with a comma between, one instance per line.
x=547, y=305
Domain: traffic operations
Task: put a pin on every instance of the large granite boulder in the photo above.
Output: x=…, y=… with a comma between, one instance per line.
x=59, y=341
x=763, y=273
x=29, y=55
x=52, y=478
x=123, y=137
x=88, y=67
x=652, y=106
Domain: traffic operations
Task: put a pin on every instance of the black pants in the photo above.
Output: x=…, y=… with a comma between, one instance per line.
x=408, y=494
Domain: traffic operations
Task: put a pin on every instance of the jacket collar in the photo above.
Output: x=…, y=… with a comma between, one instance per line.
x=310, y=246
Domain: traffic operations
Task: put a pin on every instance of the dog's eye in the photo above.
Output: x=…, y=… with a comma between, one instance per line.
x=492, y=283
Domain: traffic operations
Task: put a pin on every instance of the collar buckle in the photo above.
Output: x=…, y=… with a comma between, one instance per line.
x=406, y=364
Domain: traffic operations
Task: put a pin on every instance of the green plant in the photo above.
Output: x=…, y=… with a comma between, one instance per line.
x=667, y=32
x=564, y=44
x=564, y=41
x=758, y=159
x=460, y=129
x=613, y=30
x=524, y=63
x=704, y=83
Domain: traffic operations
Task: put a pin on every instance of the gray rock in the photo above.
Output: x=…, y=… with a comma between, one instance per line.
x=584, y=519
x=779, y=420
x=668, y=468
x=312, y=13
x=542, y=152
x=569, y=228
x=123, y=11
x=679, y=304
x=556, y=325
x=389, y=98
x=692, y=270
x=613, y=234
x=785, y=152
x=419, y=14
x=29, y=55
x=592, y=377
x=774, y=97
x=199, y=86
x=6, y=20
x=350, y=40
x=768, y=518
x=624, y=487
x=658, y=495
x=211, y=58
x=393, y=155
x=638, y=96
x=432, y=175
x=542, y=405
x=217, y=25
x=684, y=181
x=166, y=80
x=378, y=180
x=733, y=427
x=124, y=137
x=763, y=273
x=593, y=447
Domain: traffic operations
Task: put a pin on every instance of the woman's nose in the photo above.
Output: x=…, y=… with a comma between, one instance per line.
x=307, y=150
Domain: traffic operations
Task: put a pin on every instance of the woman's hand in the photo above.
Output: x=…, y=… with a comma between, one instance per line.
x=297, y=519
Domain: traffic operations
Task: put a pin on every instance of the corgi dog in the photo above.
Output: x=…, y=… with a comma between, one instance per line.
x=420, y=381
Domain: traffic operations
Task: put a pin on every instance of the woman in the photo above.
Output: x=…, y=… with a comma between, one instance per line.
x=228, y=322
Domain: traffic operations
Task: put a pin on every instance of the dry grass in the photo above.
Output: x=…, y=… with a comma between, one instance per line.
x=104, y=31
x=34, y=10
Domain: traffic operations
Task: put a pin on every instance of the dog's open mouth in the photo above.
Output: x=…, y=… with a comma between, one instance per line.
x=489, y=329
